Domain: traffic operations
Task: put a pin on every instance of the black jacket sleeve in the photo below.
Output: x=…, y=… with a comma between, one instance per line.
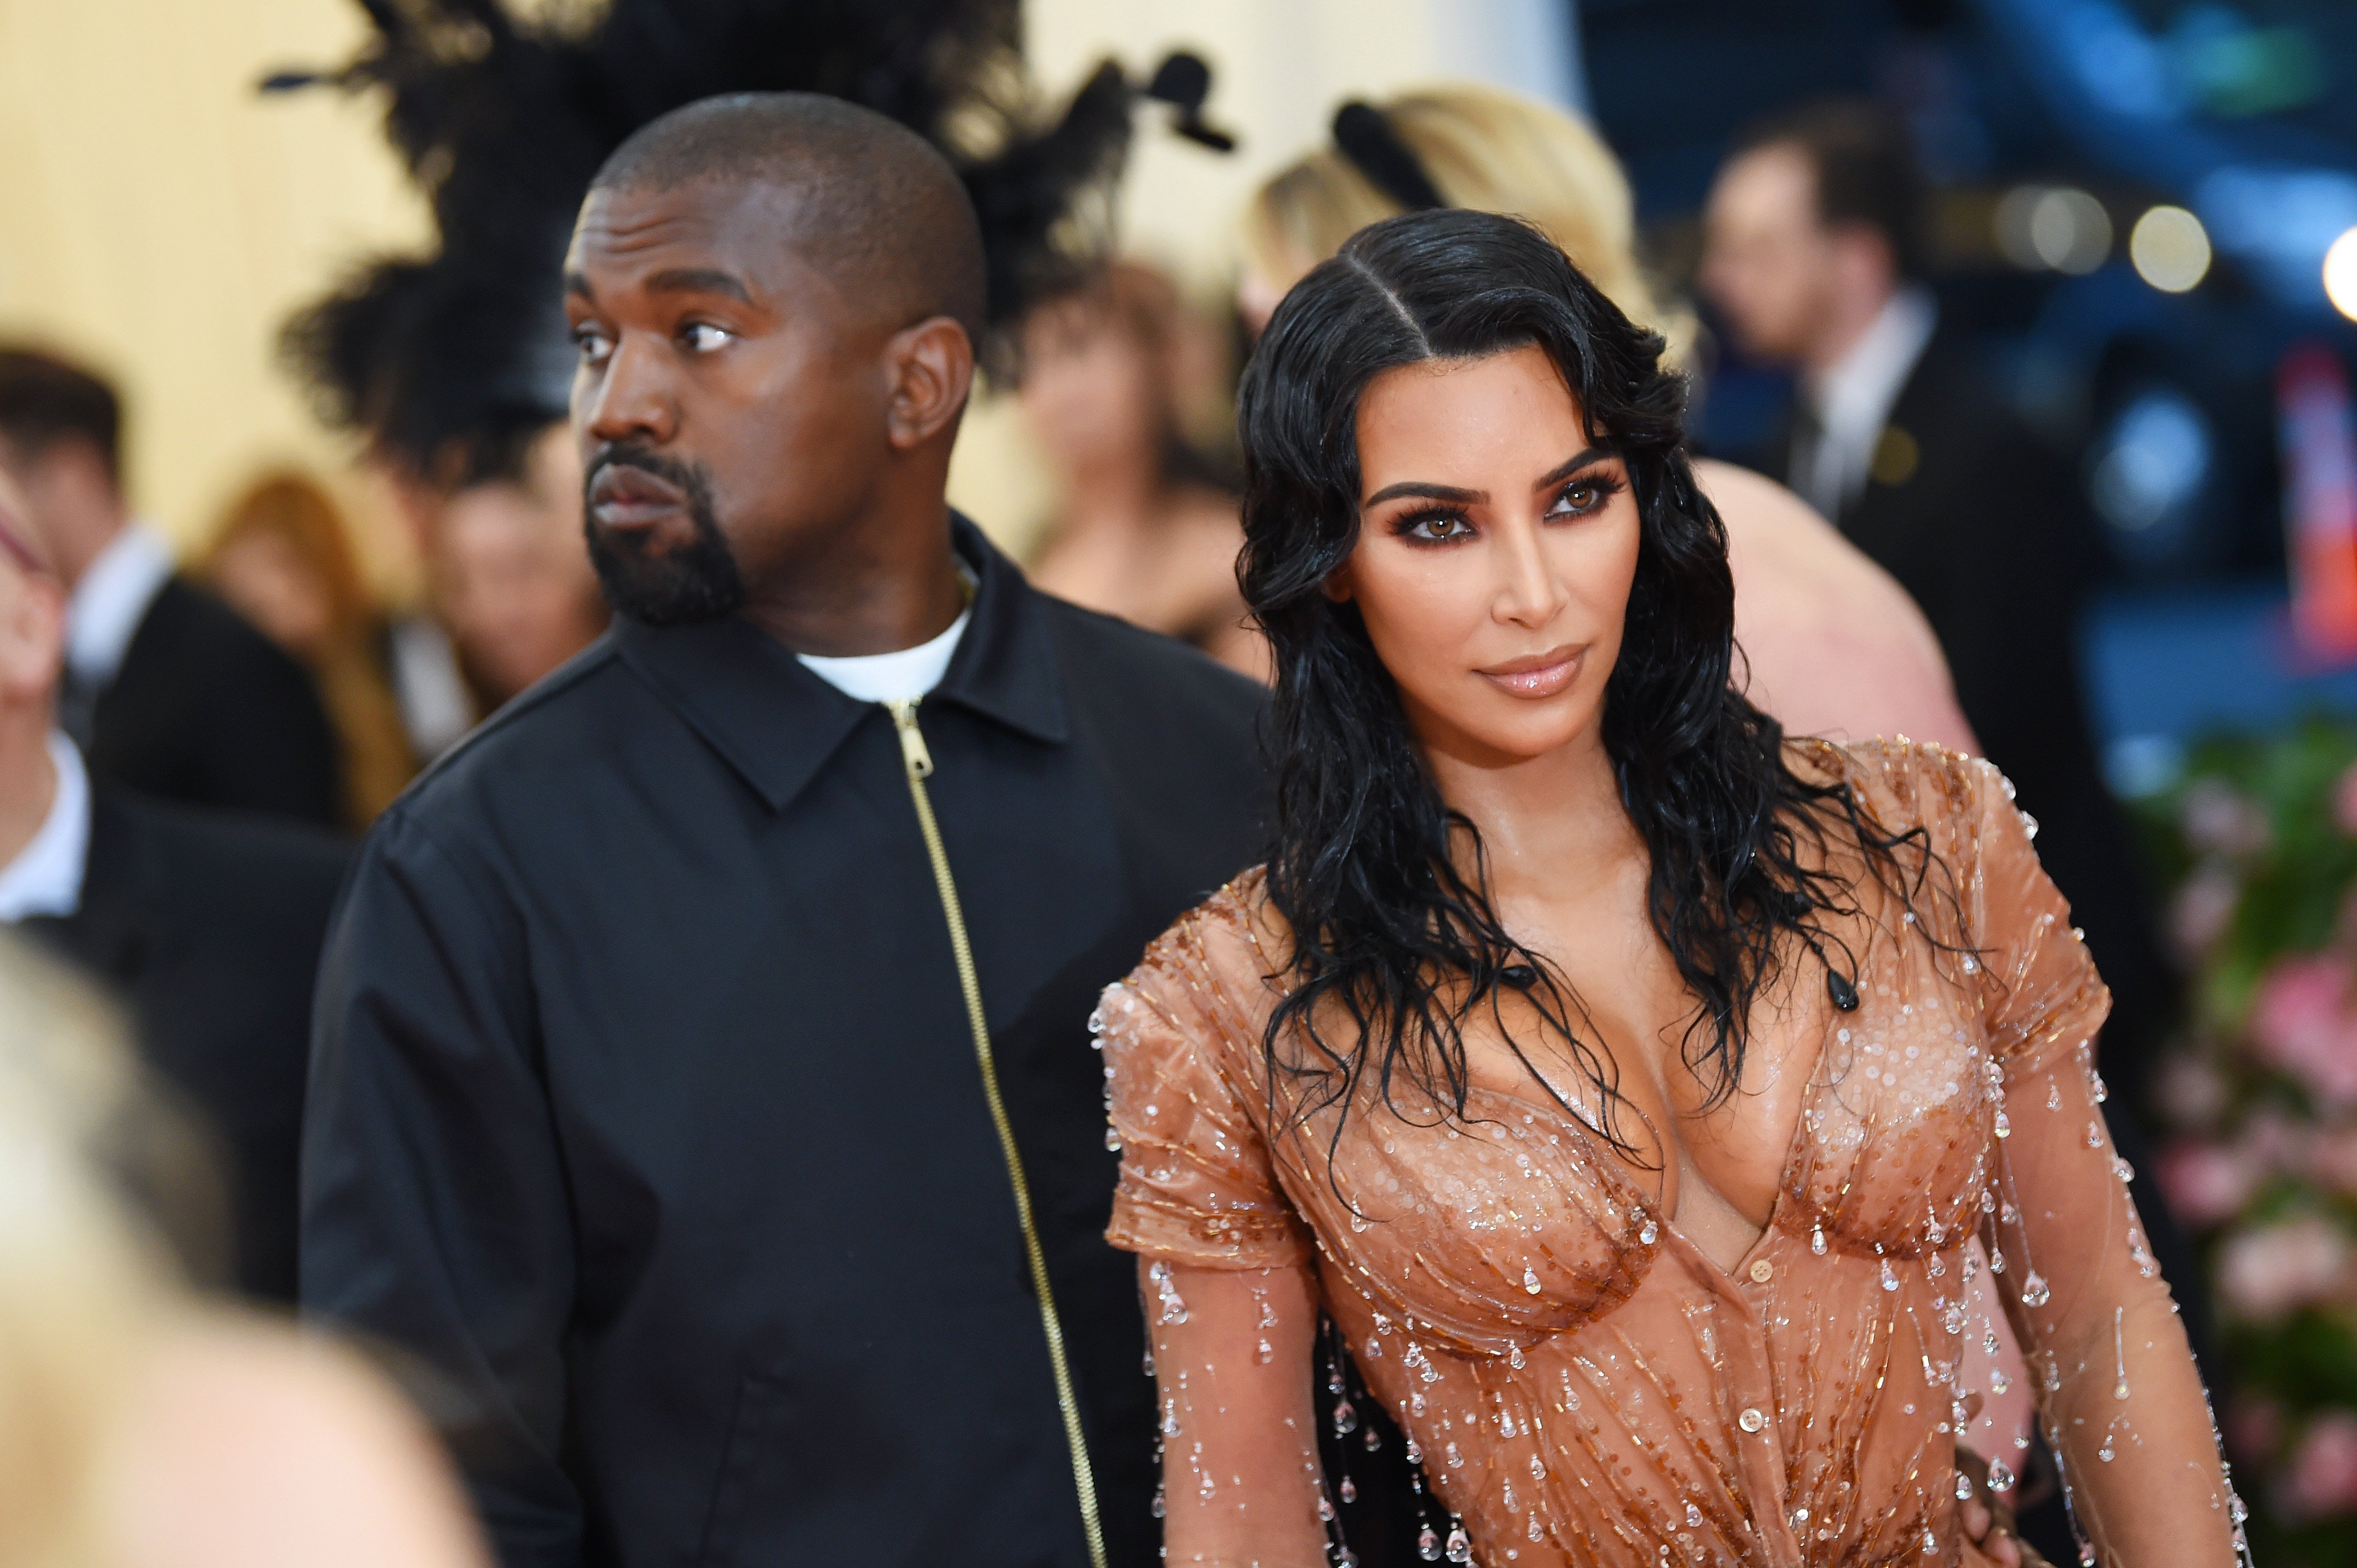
x=435, y=1217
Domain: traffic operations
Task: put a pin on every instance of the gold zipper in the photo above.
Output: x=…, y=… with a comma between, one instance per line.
x=920, y=763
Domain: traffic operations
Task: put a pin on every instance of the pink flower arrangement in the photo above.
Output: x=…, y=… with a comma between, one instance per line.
x=2270, y=1272
x=2302, y=1022
x=2208, y=1184
x=2344, y=802
x=2217, y=818
x=2321, y=1479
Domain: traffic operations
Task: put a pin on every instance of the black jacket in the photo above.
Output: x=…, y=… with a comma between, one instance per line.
x=644, y=1109
x=206, y=709
x=1985, y=526
x=206, y=925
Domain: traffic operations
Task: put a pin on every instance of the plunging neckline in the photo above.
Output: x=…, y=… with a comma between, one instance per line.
x=1619, y=1174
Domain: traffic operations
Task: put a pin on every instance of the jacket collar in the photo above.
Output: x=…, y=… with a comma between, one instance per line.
x=777, y=724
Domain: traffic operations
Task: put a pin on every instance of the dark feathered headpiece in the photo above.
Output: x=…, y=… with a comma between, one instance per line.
x=449, y=362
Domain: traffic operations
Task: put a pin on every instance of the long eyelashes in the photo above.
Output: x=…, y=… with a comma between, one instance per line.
x=1437, y=525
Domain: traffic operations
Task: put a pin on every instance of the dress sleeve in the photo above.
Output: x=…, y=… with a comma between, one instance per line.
x=2119, y=1396
x=1197, y=1185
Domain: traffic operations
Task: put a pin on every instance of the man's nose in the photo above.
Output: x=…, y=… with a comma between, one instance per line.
x=634, y=396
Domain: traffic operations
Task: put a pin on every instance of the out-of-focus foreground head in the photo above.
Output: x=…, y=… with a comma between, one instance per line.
x=79, y=1285
x=139, y=1427
x=1481, y=148
x=775, y=297
x=1815, y=221
x=61, y=441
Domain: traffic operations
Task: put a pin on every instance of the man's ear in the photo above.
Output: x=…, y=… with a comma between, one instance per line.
x=932, y=368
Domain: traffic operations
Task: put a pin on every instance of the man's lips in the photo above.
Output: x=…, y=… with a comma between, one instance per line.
x=625, y=497
x=1537, y=675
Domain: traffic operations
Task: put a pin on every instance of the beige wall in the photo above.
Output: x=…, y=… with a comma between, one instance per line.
x=160, y=218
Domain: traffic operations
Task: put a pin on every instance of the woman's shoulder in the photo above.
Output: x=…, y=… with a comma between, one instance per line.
x=1903, y=783
x=1226, y=954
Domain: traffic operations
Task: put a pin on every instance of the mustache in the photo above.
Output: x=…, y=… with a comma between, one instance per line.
x=691, y=478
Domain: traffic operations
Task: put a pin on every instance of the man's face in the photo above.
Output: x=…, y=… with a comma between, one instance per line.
x=730, y=403
x=1768, y=263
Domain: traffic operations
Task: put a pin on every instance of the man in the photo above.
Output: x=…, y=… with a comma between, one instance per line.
x=1814, y=252
x=206, y=925
x=165, y=688
x=647, y=1108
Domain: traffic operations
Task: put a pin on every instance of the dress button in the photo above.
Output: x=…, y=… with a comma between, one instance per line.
x=1762, y=1270
x=1751, y=1420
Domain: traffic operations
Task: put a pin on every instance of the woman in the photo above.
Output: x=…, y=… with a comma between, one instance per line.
x=1142, y=533
x=1831, y=644
x=282, y=559
x=1625, y=1081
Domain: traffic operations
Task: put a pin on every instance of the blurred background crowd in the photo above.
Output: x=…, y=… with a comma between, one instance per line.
x=2050, y=305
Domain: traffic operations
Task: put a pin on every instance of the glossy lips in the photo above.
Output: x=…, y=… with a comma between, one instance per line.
x=623, y=496
x=1537, y=675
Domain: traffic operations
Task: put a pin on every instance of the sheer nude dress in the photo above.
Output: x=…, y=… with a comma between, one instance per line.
x=1582, y=1384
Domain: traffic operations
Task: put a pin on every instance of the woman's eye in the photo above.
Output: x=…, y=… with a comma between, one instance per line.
x=1581, y=497
x=1438, y=526
x=593, y=344
x=702, y=336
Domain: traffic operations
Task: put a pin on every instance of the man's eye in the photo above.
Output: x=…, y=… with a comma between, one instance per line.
x=702, y=336
x=593, y=344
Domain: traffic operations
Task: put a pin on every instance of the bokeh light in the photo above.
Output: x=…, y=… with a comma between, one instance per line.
x=2056, y=227
x=2341, y=274
x=2169, y=248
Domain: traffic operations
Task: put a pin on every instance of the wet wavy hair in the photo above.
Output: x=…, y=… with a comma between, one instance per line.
x=1391, y=933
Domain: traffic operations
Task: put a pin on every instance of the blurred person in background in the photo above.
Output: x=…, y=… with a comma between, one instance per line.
x=167, y=689
x=1814, y=252
x=282, y=558
x=1832, y=646
x=142, y=1426
x=1144, y=529
x=207, y=924
x=508, y=572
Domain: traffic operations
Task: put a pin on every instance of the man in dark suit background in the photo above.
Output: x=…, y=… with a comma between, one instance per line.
x=206, y=925
x=1814, y=256
x=165, y=688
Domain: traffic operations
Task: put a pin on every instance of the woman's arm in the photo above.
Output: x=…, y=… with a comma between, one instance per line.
x=1231, y=1358
x=2122, y=1403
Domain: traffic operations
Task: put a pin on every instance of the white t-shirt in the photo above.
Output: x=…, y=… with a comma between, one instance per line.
x=903, y=676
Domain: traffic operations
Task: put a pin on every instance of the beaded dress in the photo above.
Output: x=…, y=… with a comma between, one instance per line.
x=1581, y=1383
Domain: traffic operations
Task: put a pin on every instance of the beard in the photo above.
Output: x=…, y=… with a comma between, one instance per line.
x=688, y=585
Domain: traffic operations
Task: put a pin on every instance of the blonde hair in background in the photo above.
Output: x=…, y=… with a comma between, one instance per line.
x=82, y=1289
x=1486, y=150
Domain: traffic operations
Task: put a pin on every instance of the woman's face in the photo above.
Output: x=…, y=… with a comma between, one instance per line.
x=1497, y=543
x=1088, y=389
x=265, y=578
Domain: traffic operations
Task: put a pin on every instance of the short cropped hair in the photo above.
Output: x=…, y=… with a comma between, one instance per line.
x=1865, y=164
x=881, y=206
x=44, y=400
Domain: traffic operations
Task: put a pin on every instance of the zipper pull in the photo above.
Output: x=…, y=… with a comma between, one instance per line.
x=912, y=739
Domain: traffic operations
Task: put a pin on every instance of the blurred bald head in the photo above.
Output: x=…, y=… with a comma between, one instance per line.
x=870, y=203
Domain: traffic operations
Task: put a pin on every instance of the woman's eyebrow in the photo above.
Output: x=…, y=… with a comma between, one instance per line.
x=1569, y=467
x=1431, y=491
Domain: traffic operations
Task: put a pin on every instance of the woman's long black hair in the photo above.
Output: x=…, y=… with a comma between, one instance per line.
x=1391, y=937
